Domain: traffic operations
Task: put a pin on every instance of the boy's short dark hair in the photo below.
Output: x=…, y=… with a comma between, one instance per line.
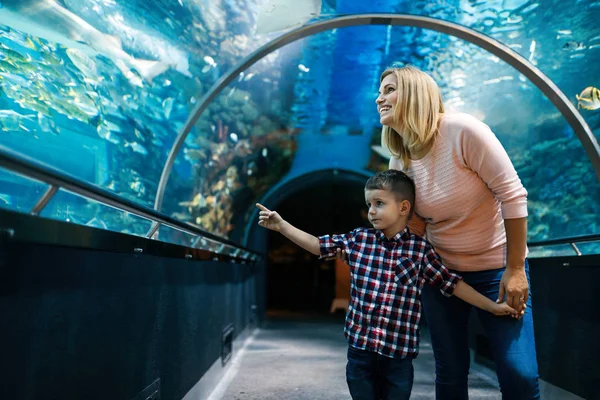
x=396, y=182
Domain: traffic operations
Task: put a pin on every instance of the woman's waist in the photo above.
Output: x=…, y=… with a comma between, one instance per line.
x=491, y=259
x=467, y=239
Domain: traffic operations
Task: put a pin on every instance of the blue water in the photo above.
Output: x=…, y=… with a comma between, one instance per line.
x=105, y=101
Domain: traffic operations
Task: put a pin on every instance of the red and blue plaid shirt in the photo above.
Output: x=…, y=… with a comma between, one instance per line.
x=387, y=278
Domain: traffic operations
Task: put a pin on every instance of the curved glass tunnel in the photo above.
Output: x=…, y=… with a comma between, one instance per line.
x=97, y=92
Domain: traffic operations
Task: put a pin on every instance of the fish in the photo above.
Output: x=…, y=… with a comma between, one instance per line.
x=278, y=15
x=49, y=20
x=47, y=125
x=11, y=120
x=19, y=38
x=105, y=133
x=138, y=148
x=15, y=79
x=84, y=63
x=210, y=63
x=13, y=56
x=151, y=45
x=589, y=99
x=168, y=107
x=197, y=202
x=10, y=67
x=137, y=186
x=573, y=46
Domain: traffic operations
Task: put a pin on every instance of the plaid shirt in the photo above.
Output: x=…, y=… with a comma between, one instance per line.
x=387, y=278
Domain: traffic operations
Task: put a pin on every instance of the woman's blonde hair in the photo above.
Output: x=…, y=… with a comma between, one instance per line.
x=417, y=112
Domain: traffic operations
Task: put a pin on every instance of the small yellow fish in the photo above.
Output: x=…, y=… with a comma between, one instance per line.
x=218, y=186
x=589, y=98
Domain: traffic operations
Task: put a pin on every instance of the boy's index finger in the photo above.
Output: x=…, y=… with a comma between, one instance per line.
x=261, y=207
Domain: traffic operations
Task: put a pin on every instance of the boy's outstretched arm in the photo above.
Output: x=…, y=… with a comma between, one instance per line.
x=273, y=221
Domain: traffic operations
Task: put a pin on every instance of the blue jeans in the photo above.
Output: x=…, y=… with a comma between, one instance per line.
x=371, y=376
x=512, y=341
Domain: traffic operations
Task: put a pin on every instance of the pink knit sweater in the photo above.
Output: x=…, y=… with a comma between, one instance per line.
x=465, y=186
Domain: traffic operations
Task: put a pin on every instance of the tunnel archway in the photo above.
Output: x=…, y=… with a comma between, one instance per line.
x=321, y=202
x=546, y=85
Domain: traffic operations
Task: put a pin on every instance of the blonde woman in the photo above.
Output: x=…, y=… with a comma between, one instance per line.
x=472, y=207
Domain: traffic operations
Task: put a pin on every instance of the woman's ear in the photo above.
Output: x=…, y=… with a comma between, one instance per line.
x=404, y=207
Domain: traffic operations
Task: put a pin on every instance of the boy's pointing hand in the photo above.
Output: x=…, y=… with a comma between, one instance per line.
x=268, y=219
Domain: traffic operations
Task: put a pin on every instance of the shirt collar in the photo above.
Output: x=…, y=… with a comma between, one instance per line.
x=397, y=238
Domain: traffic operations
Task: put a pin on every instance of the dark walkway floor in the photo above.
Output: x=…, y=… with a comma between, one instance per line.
x=304, y=358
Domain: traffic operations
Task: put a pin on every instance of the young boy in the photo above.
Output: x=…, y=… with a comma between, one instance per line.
x=389, y=266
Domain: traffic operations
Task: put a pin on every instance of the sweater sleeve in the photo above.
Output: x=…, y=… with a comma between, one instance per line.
x=483, y=153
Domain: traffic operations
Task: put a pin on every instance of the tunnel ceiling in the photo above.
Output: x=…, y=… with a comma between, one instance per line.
x=103, y=95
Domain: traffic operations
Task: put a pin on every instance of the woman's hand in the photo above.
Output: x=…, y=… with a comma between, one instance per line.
x=500, y=309
x=514, y=287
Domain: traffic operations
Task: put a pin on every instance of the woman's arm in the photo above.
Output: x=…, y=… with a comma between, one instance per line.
x=514, y=283
x=516, y=242
x=484, y=154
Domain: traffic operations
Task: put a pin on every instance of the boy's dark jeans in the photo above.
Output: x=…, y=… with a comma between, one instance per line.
x=371, y=376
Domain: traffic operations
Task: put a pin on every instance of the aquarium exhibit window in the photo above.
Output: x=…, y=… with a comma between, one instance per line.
x=169, y=121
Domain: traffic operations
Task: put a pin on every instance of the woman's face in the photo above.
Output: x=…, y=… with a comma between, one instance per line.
x=387, y=99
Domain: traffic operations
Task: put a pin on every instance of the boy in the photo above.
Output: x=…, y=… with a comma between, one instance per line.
x=389, y=267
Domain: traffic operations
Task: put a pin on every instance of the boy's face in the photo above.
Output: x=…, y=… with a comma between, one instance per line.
x=386, y=212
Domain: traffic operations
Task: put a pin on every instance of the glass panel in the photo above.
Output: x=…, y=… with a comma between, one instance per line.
x=106, y=106
x=18, y=193
x=551, y=162
x=69, y=207
x=557, y=250
x=589, y=248
x=209, y=244
x=243, y=144
x=256, y=132
x=175, y=236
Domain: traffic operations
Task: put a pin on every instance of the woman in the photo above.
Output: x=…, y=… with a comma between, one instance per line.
x=472, y=207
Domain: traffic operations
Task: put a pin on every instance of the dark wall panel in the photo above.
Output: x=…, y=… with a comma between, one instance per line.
x=566, y=316
x=97, y=325
x=567, y=323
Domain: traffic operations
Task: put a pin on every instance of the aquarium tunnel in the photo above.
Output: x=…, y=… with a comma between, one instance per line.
x=137, y=136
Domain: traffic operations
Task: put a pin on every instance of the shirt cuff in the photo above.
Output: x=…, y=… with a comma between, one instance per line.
x=449, y=284
x=326, y=247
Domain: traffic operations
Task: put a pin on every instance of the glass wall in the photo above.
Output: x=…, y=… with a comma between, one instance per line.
x=101, y=88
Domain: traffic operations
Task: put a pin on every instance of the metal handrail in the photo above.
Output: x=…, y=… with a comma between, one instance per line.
x=572, y=241
x=569, y=240
x=505, y=53
x=29, y=167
